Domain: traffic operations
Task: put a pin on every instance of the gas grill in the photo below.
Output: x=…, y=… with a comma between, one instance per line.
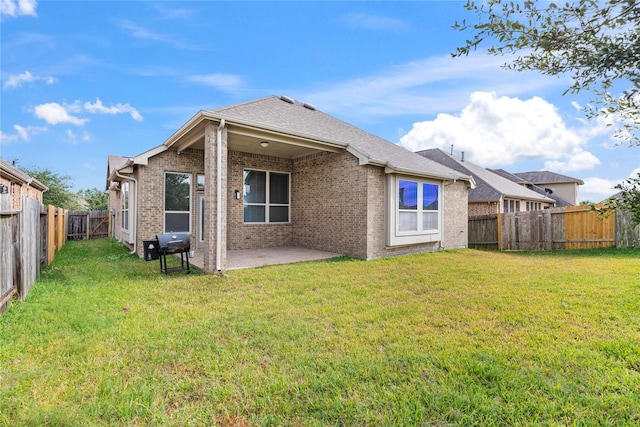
x=173, y=243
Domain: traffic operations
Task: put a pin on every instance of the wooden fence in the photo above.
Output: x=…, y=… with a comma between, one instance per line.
x=574, y=227
x=29, y=239
x=85, y=225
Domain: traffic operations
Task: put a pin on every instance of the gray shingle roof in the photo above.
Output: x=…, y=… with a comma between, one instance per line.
x=560, y=202
x=489, y=186
x=546, y=177
x=298, y=119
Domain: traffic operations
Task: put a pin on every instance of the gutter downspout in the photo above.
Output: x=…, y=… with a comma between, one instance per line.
x=219, y=194
x=135, y=210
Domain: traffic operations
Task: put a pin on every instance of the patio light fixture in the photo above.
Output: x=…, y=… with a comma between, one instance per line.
x=265, y=144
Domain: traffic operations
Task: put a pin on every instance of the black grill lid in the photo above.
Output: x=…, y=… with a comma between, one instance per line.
x=173, y=242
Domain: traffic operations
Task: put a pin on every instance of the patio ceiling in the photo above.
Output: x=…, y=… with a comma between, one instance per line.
x=249, y=140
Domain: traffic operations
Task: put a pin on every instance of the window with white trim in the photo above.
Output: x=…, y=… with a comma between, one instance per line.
x=266, y=196
x=177, y=202
x=415, y=213
x=124, y=195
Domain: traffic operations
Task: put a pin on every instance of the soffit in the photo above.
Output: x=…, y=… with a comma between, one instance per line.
x=248, y=140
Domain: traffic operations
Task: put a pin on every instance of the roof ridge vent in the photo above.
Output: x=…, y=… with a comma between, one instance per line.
x=287, y=99
x=309, y=106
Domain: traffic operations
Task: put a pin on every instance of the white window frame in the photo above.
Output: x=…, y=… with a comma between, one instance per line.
x=125, y=204
x=395, y=237
x=267, y=204
x=128, y=211
x=164, y=201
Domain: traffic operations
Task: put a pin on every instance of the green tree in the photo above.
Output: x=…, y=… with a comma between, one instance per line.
x=596, y=42
x=628, y=198
x=59, y=193
x=96, y=199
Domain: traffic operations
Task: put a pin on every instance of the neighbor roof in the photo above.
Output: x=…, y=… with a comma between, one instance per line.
x=490, y=187
x=287, y=116
x=12, y=172
x=560, y=202
x=546, y=177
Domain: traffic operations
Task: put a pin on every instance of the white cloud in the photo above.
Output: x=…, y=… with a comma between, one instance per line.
x=578, y=161
x=99, y=107
x=597, y=189
x=54, y=113
x=21, y=8
x=428, y=86
x=16, y=80
x=22, y=133
x=5, y=138
x=223, y=82
x=374, y=22
x=142, y=33
x=496, y=131
x=72, y=136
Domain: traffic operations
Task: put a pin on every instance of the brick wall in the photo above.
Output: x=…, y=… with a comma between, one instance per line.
x=151, y=191
x=17, y=190
x=484, y=208
x=336, y=204
x=330, y=203
x=247, y=236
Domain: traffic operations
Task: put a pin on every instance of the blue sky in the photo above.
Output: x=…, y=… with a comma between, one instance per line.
x=82, y=80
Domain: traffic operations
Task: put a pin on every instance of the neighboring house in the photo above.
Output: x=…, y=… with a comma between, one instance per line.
x=15, y=183
x=492, y=193
x=561, y=185
x=560, y=202
x=276, y=172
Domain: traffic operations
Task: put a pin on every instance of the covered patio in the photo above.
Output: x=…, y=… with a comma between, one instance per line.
x=251, y=258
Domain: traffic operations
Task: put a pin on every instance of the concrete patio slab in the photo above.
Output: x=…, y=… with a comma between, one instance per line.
x=251, y=258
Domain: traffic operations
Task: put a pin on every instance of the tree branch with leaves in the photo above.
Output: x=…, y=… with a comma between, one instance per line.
x=596, y=42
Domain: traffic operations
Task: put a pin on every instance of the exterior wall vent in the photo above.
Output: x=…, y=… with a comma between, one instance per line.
x=309, y=106
x=287, y=99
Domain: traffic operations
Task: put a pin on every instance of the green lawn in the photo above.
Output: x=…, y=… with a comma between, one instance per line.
x=449, y=338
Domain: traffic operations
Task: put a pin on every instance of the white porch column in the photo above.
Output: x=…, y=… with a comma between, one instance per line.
x=211, y=219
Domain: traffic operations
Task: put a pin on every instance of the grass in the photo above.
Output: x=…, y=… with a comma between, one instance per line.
x=448, y=338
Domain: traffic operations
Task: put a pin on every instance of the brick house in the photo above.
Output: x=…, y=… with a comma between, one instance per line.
x=14, y=183
x=275, y=172
x=493, y=193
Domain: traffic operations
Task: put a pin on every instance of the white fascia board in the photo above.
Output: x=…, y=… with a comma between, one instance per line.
x=143, y=159
x=185, y=128
x=363, y=159
x=423, y=174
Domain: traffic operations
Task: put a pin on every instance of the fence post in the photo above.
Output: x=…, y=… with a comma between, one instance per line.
x=61, y=229
x=51, y=233
x=499, y=231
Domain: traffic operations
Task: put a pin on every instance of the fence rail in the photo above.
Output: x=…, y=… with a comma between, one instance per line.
x=29, y=239
x=574, y=227
x=85, y=225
